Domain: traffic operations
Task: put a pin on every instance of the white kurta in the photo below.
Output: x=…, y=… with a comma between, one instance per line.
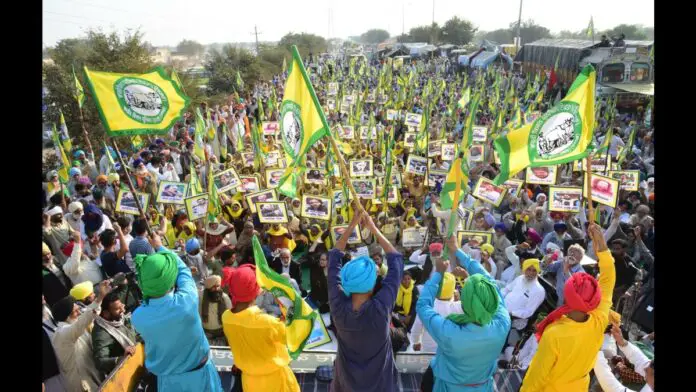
x=81, y=269
x=421, y=335
x=73, y=347
x=522, y=298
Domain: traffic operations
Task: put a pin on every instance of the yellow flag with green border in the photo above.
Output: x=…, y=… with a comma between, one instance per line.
x=560, y=135
x=137, y=104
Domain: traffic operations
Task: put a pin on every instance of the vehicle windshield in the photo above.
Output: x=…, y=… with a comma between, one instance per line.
x=640, y=72
x=613, y=73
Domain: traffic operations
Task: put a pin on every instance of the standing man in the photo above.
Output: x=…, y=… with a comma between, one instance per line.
x=365, y=361
x=112, y=336
x=176, y=349
x=568, y=345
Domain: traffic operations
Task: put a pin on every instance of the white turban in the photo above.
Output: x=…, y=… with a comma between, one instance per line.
x=55, y=210
x=74, y=206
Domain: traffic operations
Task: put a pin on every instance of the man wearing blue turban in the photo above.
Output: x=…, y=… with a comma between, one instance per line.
x=365, y=360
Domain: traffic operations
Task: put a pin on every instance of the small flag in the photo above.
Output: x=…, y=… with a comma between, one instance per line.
x=466, y=97
x=300, y=322
x=213, y=201
x=560, y=135
x=195, y=184
x=469, y=126
x=239, y=82
x=590, y=29
x=79, y=91
x=63, y=134
x=455, y=185
x=63, y=158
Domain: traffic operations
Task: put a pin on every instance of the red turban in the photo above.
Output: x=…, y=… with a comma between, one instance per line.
x=435, y=247
x=534, y=236
x=242, y=284
x=581, y=293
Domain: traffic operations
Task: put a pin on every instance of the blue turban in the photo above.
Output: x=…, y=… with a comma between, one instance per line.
x=192, y=244
x=78, y=153
x=560, y=226
x=74, y=171
x=359, y=275
x=137, y=162
x=500, y=226
x=490, y=220
x=93, y=218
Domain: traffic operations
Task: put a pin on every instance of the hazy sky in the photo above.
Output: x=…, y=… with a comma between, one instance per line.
x=166, y=22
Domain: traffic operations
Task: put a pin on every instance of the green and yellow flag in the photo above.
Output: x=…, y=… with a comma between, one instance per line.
x=79, y=91
x=300, y=322
x=194, y=183
x=213, y=200
x=302, y=121
x=137, y=104
x=62, y=157
x=456, y=184
x=239, y=82
x=466, y=97
x=63, y=134
x=560, y=135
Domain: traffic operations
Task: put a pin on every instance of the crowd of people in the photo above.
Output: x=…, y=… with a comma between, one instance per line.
x=551, y=293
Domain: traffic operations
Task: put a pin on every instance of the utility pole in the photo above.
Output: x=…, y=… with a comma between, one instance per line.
x=519, y=26
x=403, y=18
x=256, y=35
x=432, y=26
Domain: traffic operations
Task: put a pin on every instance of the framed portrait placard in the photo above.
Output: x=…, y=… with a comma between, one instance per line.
x=363, y=133
x=600, y=163
x=273, y=177
x=337, y=232
x=565, y=199
x=316, y=207
x=629, y=180
x=604, y=190
x=409, y=139
x=479, y=134
x=260, y=197
x=331, y=104
x=315, y=176
x=360, y=167
x=270, y=127
x=435, y=148
x=332, y=88
x=125, y=202
x=414, y=238
x=272, y=158
x=513, y=186
x=416, y=164
x=396, y=177
x=346, y=132
x=370, y=97
x=436, y=177
x=226, y=180
x=248, y=184
x=318, y=336
x=544, y=175
x=393, y=195
x=272, y=212
x=248, y=159
x=448, y=151
x=196, y=206
x=170, y=192
x=364, y=188
x=392, y=115
x=486, y=191
x=476, y=152
x=483, y=237
x=413, y=119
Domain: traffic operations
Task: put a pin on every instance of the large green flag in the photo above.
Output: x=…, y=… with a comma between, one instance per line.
x=469, y=126
x=456, y=184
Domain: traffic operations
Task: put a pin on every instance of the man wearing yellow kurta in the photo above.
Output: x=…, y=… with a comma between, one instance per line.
x=257, y=340
x=571, y=335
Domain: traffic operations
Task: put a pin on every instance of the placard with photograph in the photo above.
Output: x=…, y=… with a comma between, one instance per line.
x=479, y=133
x=532, y=116
x=434, y=148
x=348, y=99
x=448, y=151
x=316, y=207
x=337, y=232
x=170, y=192
x=226, y=180
x=319, y=336
x=260, y=197
x=125, y=202
x=331, y=103
x=465, y=216
x=270, y=127
x=315, y=176
x=360, y=167
x=363, y=133
x=543, y=175
x=382, y=99
x=345, y=107
x=393, y=195
x=396, y=177
x=604, y=190
x=248, y=159
x=248, y=184
x=513, y=186
x=436, y=177
x=346, y=132
x=565, y=199
x=414, y=238
x=409, y=139
x=392, y=115
x=413, y=119
x=339, y=198
x=600, y=163
x=486, y=191
x=273, y=177
x=272, y=158
x=370, y=97
x=196, y=206
x=332, y=88
x=364, y=188
x=272, y=212
x=416, y=164
x=482, y=237
x=628, y=179
x=476, y=152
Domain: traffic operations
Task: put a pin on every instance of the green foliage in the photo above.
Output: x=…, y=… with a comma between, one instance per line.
x=306, y=43
x=530, y=31
x=190, y=48
x=501, y=36
x=223, y=66
x=458, y=31
x=632, y=32
x=374, y=36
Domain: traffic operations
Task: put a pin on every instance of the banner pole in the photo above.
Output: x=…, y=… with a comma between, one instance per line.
x=131, y=187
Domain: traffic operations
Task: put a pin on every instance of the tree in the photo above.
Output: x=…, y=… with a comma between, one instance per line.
x=98, y=51
x=223, y=67
x=374, y=36
x=501, y=36
x=582, y=34
x=530, y=31
x=421, y=33
x=306, y=43
x=190, y=48
x=458, y=31
x=632, y=32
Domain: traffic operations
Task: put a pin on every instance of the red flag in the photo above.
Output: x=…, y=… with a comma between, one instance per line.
x=553, y=78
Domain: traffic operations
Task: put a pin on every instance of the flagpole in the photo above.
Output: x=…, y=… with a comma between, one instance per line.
x=84, y=130
x=62, y=199
x=207, y=214
x=131, y=187
x=588, y=175
x=344, y=171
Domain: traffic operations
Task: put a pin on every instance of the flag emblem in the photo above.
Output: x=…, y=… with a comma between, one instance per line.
x=557, y=132
x=141, y=100
x=291, y=127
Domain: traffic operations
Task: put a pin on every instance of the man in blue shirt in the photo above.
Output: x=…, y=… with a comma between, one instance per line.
x=176, y=349
x=364, y=361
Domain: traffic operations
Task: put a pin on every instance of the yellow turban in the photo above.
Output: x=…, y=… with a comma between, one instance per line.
x=531, y=263
x=44, y=248
x=488, y=248
x=446, y=286
x=82, y=290
x=614, y=318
